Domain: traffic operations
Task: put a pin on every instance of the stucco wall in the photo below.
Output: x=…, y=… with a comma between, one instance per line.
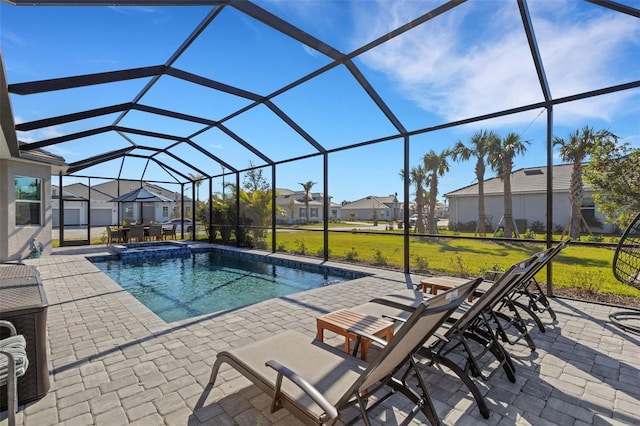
x=15, y=240
x=532, y=207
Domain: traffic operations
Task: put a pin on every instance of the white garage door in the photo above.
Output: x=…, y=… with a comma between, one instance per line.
x=100, y=217
x=71, y=217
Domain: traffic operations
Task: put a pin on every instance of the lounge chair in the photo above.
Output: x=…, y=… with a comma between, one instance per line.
x=535, y=301
x=473, y=326
x=321, y=381
x=13, y=364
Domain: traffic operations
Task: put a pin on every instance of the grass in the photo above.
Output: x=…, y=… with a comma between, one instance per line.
x=576, y=266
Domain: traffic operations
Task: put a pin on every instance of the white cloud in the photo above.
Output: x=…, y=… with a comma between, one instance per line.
x=466, y=62
x=216, y=146
x=39, y=134
x=55, y=149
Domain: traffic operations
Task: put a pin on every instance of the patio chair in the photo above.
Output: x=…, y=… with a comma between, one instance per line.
x=136, y=232
x=535, y=301
x=170, y=232
x=155, y=232
x=116, y=235
x=13, y=364
x=321, y=381
x=472, y=326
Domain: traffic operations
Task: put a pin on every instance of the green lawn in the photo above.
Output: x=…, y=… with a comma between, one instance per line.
x=584, y=267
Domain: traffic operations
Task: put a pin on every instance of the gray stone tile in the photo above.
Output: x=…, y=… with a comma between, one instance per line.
x=114, y=362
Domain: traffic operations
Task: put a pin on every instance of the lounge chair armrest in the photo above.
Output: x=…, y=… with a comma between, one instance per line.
x=394, y=318
x=7, y=324
x=392, y=304
x=307, y=387
x=366, y=335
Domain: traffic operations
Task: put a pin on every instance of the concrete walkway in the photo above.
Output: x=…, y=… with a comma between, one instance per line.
x=113, y=362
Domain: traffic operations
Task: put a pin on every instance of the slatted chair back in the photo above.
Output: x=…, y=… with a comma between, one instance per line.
x=136, y=232
x=155, y=232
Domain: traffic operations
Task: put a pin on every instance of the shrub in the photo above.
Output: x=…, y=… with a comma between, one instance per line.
x=496, y=267
x=587, y=282
x=470, y=226
x=596, y=238
x=352, y=255
x=459, y=267
x=537, y=226
x=557, y=229
x=320, y=252
x=379, y=259
x=529, y=234
x=281, y=247
x=421, y=262
x=302, y=247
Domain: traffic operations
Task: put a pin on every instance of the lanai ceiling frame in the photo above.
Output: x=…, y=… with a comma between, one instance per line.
x=156, y=71
x=337, y=59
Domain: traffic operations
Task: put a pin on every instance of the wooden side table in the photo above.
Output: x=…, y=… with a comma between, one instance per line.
x=446, y=283
x=342, y=320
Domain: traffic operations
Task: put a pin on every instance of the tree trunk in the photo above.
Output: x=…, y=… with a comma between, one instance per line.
x=575, y=197
x=419, y=209
x=481, y=213
x=306, y=204
x=433, y=192
x=508, y=206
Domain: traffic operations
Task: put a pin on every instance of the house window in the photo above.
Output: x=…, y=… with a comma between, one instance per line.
x=165, y=211
x=302, y=212
x=128, y=212
x=187, y=211
x=28, y=200
x=313, y=212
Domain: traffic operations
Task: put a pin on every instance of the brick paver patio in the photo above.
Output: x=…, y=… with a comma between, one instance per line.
x=113, y=362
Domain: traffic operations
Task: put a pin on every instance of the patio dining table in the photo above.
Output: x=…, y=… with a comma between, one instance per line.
x=125, y=231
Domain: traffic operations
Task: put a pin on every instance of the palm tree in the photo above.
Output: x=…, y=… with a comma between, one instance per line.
x=197, y=181
x=307, y=189
x=575, y=150
x=500, y=157
x=435, y=165
x=417, y=176
x=479, y=148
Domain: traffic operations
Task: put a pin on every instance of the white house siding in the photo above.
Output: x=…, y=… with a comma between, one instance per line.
x=15, y=240
x=529, y=206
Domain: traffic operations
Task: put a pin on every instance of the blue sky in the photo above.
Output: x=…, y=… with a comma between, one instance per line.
x=469, y=61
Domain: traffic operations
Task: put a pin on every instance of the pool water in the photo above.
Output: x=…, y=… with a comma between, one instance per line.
x=186, y=286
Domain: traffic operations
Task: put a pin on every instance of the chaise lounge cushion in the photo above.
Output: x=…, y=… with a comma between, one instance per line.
x=331, y=372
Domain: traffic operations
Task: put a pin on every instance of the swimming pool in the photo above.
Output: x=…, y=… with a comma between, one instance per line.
x=186, y=286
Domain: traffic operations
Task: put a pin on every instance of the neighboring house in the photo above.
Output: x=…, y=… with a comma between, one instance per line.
x=77, y=197
x=529, y=189
x=293, y=209
x=74, y=206
x=386, y=208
